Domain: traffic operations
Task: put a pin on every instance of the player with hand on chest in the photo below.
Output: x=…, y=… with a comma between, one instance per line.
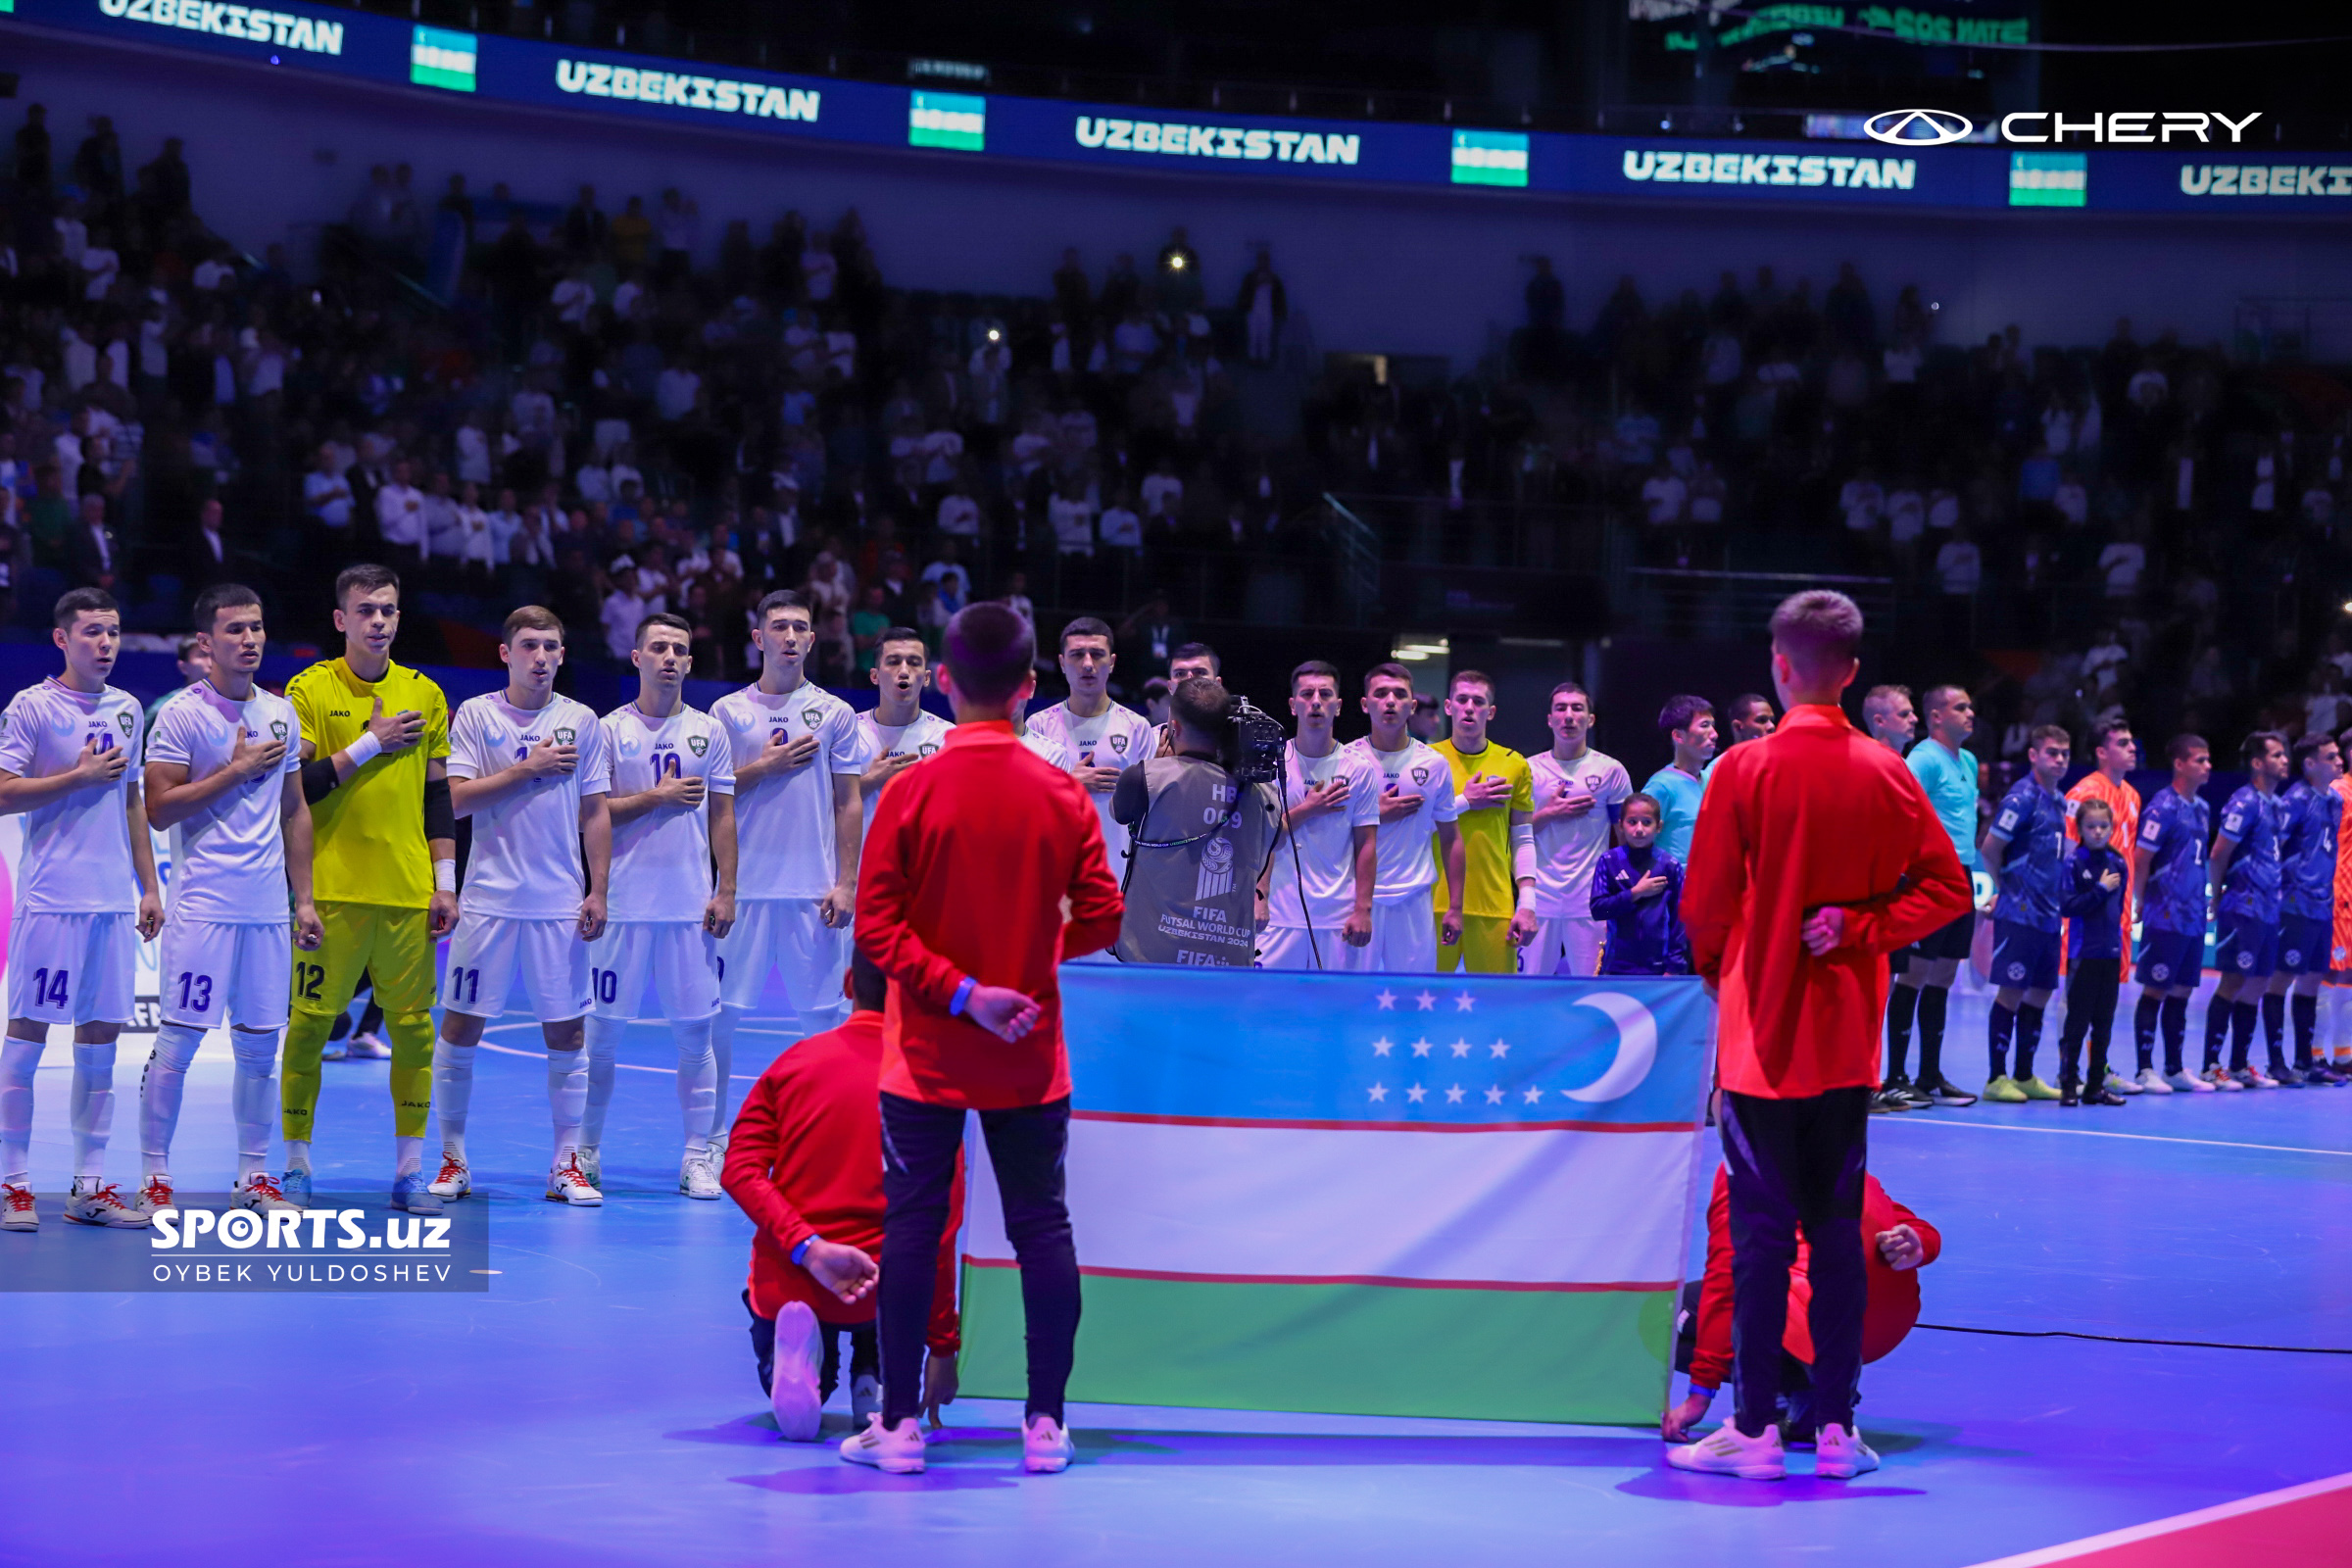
x=1578, y=793
x=2245, y=880
x=1318, y=891
x=2025, y=849
x=1416, y=801
x=1101, y=738
x=896, y=733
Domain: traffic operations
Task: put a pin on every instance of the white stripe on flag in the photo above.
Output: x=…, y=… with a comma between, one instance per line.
x=1247, y=1202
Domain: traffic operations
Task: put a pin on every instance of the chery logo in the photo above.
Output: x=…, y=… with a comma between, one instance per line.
x=1918, y=127
x=1939, y=127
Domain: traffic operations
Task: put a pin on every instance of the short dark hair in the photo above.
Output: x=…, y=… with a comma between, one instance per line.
x=187, y=647
x=664, y=618
x=869, y=987
x=1314, y=666
x=2258, y=743
x=367, y=577
x=219, y=596
x=2103, y=734
x=1202, y=705
x=2183, y=745
x=1575, y=686
x=2309, y=747
x=901, y=634
x=1748, y=702
x=1392, y=671
x=988, y=651
x=1156, y=686
x=1938, y=696
x=781, y=599
x=1816, y=627
x=1470, y=677
x=530, y=617
x=1082, y=626
x=74, y=601
x=1216, y=665
x=1642, y=798
x=2049, y=732
x=1681, y=713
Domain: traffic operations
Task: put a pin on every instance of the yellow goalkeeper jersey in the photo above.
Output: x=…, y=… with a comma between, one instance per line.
x=1488, y=890
x=370, y=834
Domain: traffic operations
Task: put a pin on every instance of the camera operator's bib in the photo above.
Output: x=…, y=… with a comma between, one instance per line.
x=1192, y=883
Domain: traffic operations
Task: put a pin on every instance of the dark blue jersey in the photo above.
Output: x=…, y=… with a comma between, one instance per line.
x=2094, y=915
x=2176, y=829
x=1645, y=935
x=2250, y=887
x=2307, y=852
x=2032, y=862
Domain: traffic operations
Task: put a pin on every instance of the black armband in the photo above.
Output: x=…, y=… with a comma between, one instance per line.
x=318, y=780
x=440, y=817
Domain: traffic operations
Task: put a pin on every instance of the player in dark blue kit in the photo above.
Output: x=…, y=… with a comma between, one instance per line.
x=2314, y=813
x=2025, y=849
x=2245, y=877
x=2094, y=955
x=2174, y=900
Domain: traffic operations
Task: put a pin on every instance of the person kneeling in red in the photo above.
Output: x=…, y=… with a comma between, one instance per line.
x=803, y=1162
x=1896, y=1244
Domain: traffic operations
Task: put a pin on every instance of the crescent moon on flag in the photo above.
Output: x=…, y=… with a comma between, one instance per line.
x=1637, y=1048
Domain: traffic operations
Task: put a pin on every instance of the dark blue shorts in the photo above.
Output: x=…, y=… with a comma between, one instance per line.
x=2022, y=958
x=2304, y=945
x=2247, y=947
x=2169, y=958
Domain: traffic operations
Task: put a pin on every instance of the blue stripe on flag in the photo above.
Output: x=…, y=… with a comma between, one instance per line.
x=1250, y=1044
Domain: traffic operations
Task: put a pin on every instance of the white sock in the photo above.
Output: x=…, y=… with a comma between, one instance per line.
x=160, y=1088
x=723, y=1056
x=567, y=1097
x=298, y=1154
x=253, y=1098
x=604, y=1066
x=408, y=1155
x=93, y=1107
x=19, y=1061
x=698, y=1082
x=452, y=1093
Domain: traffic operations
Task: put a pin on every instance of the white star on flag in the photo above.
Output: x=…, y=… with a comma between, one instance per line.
x=1378, y=1092
x=1454, y=1095
x=1426, y=1002
x=1383, y=1046
x=1461, y=1047
x=1464, y=1002
x=1534, y=1095
x=1499, y=1049
x=1416, y=1093
x=1387, y=1001
x=1422, y=1047
x=1494, y=1097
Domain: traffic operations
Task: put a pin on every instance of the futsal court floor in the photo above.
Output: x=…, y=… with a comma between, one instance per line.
x=598, y=1406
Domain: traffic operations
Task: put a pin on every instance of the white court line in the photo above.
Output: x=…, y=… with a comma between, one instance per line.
x=2144, y=1138
x=2073, y=1550
x=625, y=1066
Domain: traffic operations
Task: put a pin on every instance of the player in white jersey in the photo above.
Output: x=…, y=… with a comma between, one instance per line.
x=85, y=884
x=1101, y=738
x=1044, y=746
x=1578, y=793
x=532, y=769
x=1331, y=819
x=896, y=733
x=800, y=822
x=1417, y=800
x=224, y=777
x=674, y=815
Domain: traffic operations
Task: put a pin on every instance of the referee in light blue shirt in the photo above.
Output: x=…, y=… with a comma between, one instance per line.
x=1688, y=722
x=1948, y=771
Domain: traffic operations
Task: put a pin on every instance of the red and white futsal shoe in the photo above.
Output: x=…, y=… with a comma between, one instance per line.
x=568, y=1184
x=1840, y=1455
x=793, y=1384
x=17, y=1211
x=96, y=1202
x=1727, y=1451
x=894, y=1450
x=1045, y=1446
x=455, y=1181
x=260, y=1192
x=155, y=1193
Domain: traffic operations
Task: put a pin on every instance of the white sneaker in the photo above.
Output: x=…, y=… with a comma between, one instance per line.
x=695, y=1177
x=1727, y=1451
x=568, y=1184
x=2220, y=1078
x=793, y=1388
x=1842, y=1456
x=366, y=1048
x=456, y=1179
x=866, y=1397
x=718, y=1151
x=2152, y=1082
x=2117, y=1083
x=17, y=1210
x=2189, y=1083
x=155, y=1193
x=592, y=1167
x=260, y=1192
x=2253, y=1078
x=1045, y=1446
x=95, y=1202
x=894, y=1451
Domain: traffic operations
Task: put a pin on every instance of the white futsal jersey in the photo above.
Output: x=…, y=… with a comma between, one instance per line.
x=1568, y=848
x=1408, y=865
x=1325, y=843
x=784, y=845
x=228, y=860
x=921, y=738
x=526, y=861
x=1117, y=737
x=77, y=856
x=662, y=860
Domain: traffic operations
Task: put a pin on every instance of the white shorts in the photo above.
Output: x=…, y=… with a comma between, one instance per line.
x=1280, y=947
x=790, y=936
x=209, y=968
x=72, y=968
x=485, y=952
x=676, y=953
x=1405, y=939
x=1567, y=944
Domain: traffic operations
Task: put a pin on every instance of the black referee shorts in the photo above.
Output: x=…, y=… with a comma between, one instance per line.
x=1947, y=942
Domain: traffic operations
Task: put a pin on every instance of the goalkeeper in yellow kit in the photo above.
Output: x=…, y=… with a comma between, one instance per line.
x=374, y=737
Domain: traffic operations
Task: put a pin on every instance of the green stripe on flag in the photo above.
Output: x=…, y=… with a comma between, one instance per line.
x=1498, y=1355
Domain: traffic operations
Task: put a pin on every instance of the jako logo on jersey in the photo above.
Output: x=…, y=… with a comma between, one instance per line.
x=697, y=744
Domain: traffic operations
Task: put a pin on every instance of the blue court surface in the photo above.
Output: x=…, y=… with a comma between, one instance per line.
x=599, y=1406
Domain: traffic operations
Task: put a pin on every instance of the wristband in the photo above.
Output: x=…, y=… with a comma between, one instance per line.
x=963, y=995
x=363, y=751
x=1527, y=898
x=1700, y=1389
x=800, y=1254
x=445, y=876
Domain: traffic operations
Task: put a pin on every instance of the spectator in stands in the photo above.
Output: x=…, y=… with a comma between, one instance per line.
x=94, y=556
x=1263, y=306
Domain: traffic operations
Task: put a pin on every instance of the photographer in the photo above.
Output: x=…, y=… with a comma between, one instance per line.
x=1201, y=834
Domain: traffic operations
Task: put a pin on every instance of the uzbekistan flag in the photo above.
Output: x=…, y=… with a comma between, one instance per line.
x=1390, y=1195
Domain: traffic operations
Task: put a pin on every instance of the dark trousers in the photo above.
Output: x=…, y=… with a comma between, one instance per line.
x=1026, y=1147
x=865, y=1355
x=1797, y=1163
x=2090, y=993
x=1796, y=1379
